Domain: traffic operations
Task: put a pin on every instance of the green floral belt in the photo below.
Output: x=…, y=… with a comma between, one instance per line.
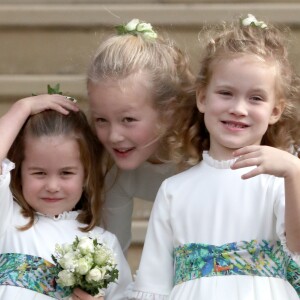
x=30, y=272
x=263, y=258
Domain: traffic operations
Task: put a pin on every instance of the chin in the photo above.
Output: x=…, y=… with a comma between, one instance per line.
x=128, y=165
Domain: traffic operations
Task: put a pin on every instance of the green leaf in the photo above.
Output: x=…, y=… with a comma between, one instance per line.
x=54, y=90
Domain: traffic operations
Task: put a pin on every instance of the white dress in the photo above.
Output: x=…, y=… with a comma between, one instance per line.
x=40, y=240
x=122, y=186
x=211, y=205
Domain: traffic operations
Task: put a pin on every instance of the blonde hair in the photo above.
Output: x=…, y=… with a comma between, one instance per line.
x=167, y=69
x=74, y=125
x=230, y=40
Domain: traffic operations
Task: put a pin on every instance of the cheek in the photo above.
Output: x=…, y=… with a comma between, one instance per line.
x=147, y=133
x=101, y=134
x=29, y=187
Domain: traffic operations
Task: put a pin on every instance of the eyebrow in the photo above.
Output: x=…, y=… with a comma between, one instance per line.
x=63, y=168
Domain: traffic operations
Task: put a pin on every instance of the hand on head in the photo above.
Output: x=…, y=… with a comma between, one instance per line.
x=36, y=104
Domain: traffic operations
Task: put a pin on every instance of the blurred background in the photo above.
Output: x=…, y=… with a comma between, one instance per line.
x=51, y=41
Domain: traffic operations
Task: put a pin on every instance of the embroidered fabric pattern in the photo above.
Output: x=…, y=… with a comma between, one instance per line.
x=255, y=258
x=293, y=275
x=30, y=272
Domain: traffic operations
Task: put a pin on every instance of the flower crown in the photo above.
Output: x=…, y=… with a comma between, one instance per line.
x=136, y=27
x=252, y=21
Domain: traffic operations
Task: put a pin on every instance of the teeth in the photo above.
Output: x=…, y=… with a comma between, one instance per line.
x=236, y=125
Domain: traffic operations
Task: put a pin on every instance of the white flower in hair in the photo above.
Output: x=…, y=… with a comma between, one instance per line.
x=251, y=20
x=137, y=27
x=130, y=26
x=144, y=27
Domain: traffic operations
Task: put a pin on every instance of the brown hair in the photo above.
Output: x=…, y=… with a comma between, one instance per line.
x=75, y=125
x=167, y=69
x=230, y=40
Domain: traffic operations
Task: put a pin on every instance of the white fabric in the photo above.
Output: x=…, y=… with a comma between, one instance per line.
x=211, y=204
x=123, y=187
x=40, y=241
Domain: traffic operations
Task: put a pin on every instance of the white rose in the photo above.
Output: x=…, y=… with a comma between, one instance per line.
x=248, y=21
x=144, y=27
x=68, y=261
x=83, y=265
x=85, y=245
x=101, y=255
x=95, y=274
x=130, y=26
x=150, y=34
x=66, y=278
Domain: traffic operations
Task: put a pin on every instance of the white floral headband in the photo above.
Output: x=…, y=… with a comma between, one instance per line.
x=252, y=21
x=137, y=27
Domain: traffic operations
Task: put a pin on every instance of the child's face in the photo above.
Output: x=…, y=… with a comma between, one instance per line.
x=52, y=174
x=239, y=104
x=125, y=120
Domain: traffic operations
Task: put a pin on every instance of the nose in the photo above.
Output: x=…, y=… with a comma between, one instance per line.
x=116, y=134
x=52, y=185
x=238, y=107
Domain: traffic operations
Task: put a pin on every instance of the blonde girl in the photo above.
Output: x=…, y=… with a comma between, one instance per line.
x=229, y=227
x=139, y=89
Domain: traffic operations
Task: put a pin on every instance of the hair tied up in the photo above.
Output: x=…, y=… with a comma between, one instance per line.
x=136, y=27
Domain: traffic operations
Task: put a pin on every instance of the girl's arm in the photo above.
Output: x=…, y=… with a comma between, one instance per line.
x=13, y=120
x=279, y=163
x=154, y=279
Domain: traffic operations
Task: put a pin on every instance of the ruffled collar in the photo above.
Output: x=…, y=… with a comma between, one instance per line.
x=218, y=164
x=66, y=215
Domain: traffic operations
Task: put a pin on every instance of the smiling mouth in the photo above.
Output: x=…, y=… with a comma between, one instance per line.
x=232, y=124
x=52, y=199
x=123, y=151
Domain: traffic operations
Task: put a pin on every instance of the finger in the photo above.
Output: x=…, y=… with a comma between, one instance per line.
x=252, y=173
x=245, y=150
x=244, y=162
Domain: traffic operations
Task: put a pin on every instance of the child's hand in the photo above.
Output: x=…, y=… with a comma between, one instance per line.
x=268, y=160
x=36, y=104
x=79, y=294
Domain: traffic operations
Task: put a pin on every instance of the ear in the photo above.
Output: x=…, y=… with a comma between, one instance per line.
x=277, y=111
x=200, y=98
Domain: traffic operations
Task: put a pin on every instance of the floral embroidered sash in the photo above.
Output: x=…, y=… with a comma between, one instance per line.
x=30, y=272
x=253, y=258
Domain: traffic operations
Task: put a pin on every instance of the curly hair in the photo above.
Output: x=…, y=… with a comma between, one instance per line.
x=231, y=40
x=169, y=78
x=74, y=125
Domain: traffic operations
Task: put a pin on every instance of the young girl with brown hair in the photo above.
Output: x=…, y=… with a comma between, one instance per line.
x=51, y=192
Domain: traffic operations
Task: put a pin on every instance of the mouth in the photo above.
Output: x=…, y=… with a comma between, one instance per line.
x=48, y=199
x=235, y=125
x=123, y=151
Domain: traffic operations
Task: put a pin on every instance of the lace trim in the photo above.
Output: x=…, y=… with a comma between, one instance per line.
x=132, y=294
x=144, y=296
x=66, y=215
x=219, y=164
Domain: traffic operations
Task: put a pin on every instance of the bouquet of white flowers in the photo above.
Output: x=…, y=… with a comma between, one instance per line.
x=86, y=264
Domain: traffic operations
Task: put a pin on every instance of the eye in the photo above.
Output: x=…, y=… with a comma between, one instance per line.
x=129, y=120
x=100, y=120
x=67, y=173
x=38, y=173
x=256, y=98
x=224, y=93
